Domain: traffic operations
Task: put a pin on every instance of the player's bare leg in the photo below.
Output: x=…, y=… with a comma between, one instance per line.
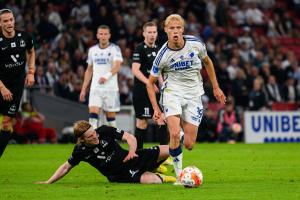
x=93, y=116
x=175, y=147
x=111, y=119
x=149, y=177
x=190, y=134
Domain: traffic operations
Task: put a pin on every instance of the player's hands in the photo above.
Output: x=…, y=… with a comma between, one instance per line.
x=6, y=94
x=82, y=96
x=157, y=115
x=130, y=155
x=218, y=93
x=29, y=80
x=162, y=120
x=102, y=80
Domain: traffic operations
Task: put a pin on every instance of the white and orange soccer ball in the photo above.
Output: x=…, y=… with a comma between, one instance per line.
x=191, y=177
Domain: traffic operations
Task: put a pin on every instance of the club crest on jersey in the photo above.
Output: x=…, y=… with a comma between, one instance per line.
x=192, y=54
x=22, y=43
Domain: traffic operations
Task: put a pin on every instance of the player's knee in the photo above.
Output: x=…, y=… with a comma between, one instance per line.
x=141, y=124
x=189, y=145
x=175, y=135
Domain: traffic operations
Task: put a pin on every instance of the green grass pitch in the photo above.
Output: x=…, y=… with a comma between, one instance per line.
x=240, y=171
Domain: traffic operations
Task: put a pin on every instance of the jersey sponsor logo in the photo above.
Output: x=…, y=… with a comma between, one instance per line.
x=181, y=65
x=100, y=61
x=14, y=57
x=12, y=109
x=16, y=63
x=133, y=172
x=101, y=157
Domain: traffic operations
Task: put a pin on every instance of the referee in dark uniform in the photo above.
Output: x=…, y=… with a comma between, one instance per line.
x=99, y=148
x=143, y=57
x=16, y=49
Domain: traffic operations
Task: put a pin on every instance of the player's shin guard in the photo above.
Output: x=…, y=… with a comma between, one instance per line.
x=4, y=139
x=163, y=135
x=177, y=159
x=139, y=135
x=111, y=121
x=93, y=120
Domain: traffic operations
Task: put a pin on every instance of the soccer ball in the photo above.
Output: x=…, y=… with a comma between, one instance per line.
x=191, y=177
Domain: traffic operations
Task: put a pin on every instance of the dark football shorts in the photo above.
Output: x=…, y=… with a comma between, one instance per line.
x=146, y=161
x=10, y=108
x=142, y=107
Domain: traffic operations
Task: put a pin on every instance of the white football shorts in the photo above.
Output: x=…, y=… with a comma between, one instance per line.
x=107, y=100
x=190, y=110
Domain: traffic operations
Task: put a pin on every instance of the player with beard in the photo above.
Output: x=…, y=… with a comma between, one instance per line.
x=143, y=57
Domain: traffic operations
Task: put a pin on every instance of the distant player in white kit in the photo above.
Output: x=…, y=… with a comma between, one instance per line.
x=104, y=62
x=179, y=62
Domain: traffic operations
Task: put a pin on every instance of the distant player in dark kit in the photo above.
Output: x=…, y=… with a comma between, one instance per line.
x=143, y=57
x=16, y=49
x=100, y=149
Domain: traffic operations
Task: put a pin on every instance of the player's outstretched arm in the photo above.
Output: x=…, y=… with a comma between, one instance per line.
x=60, y=172
x=152, y=96
x=131, y=140
x=218, y=93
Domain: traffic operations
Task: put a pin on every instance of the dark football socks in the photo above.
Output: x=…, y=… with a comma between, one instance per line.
x=139, y=134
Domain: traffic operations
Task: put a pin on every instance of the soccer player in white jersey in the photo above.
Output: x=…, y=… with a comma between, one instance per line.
x=179, y=62
x=104, y=62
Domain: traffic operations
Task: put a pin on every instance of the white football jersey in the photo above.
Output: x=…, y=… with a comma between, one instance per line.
x=102, y=61
x=181, y=68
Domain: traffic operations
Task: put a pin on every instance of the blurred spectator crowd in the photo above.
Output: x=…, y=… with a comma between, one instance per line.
x=254, y=44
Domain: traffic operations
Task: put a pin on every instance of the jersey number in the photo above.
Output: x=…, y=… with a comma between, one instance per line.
x=146, y=111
